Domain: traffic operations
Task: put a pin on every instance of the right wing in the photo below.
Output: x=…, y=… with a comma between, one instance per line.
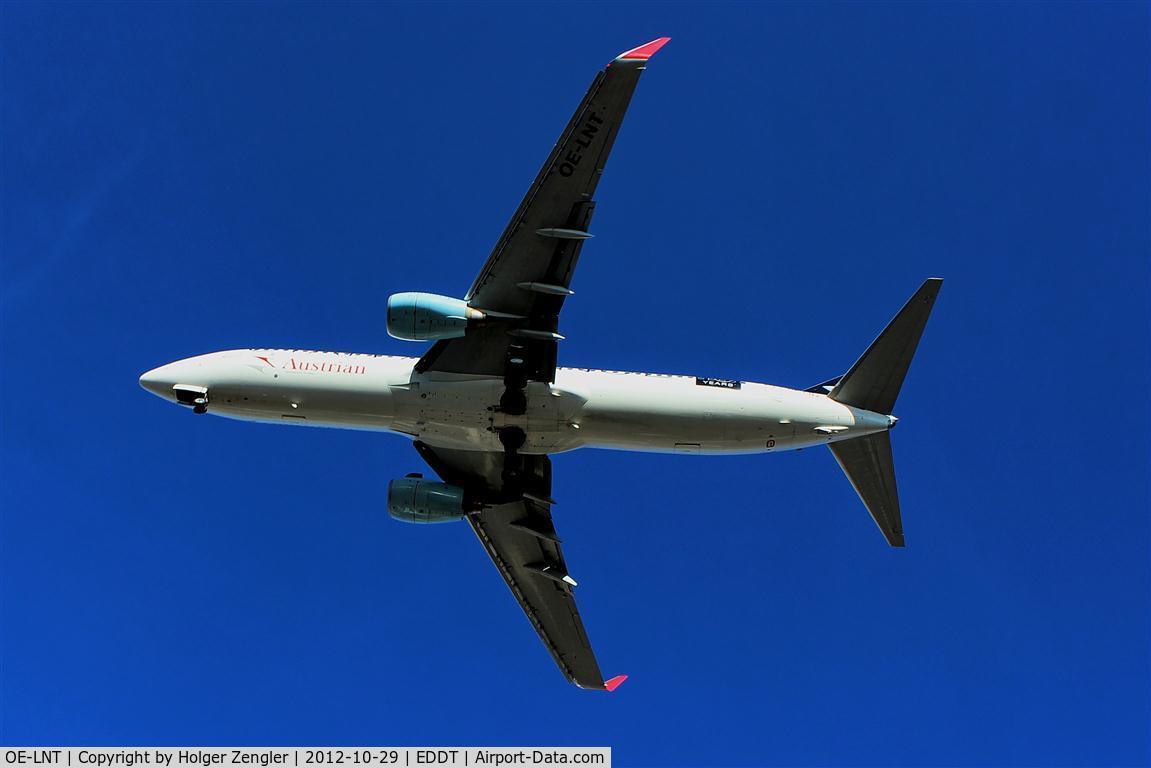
x=529, y=272
x=519, y=537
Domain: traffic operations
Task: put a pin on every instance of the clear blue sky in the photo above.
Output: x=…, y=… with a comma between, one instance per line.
x=180, y=179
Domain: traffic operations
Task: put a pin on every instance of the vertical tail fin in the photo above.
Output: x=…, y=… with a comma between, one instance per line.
x=874, y=381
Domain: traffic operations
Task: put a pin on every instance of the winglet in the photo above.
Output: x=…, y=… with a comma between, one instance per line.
x=645, y=51
x=616, y=681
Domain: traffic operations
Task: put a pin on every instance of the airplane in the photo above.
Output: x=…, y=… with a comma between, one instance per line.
x=487, y=404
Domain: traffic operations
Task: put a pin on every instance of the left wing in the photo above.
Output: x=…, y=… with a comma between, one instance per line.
x=528, y=274
x=521, y=540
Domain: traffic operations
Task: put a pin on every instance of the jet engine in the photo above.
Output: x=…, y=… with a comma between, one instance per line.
x=426, y=317
x=413, y=499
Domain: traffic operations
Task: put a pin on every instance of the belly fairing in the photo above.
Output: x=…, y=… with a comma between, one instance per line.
x=462, y=413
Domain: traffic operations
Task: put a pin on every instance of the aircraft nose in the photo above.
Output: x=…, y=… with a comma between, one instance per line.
x=158, y=381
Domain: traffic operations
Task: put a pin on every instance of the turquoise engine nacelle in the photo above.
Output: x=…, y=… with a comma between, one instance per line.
x=416, y=500
x=427, y=317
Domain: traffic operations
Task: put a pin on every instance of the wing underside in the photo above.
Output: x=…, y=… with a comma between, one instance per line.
x=521, y=540
x=528, y=274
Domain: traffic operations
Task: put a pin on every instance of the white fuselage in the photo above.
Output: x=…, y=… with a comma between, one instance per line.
x=583, y=408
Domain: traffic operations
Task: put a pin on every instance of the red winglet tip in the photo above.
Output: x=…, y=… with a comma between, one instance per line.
x=645, y=51
x=615, y=682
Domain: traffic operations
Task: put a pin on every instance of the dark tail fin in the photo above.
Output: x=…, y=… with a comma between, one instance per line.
x=868, y=465
x=873, y=382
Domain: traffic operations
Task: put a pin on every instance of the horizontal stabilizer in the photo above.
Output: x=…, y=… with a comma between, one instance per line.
x=868, y=464
x=874, y=381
